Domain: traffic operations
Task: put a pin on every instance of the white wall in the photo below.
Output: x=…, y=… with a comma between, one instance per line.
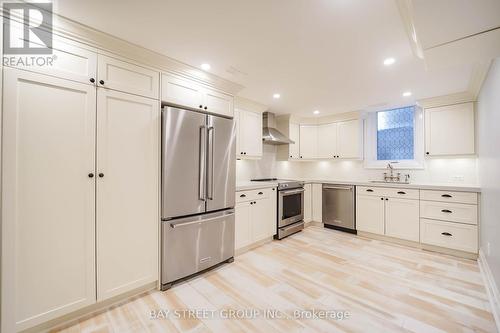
x=442, y=170
x=489, y=167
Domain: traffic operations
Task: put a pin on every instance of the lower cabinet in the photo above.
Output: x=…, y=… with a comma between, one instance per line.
x=317, y=202
x=307, y=203
x=255, y=216
x=387, y=215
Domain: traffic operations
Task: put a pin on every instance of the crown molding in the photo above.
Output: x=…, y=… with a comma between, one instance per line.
x=479, y=74
x=458, y=98
x=405, y=8
x=247, y=104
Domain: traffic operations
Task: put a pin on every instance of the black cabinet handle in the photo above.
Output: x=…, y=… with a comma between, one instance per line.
x=446, y=196
x=91, y=175
x=427, y=153
x=386, y=199
x=290, y=156
x=381, y=198
x=243, y=196
x=369, y=190
x=260, y=193
x=206, y=108
x=201, y=106
x=446, y=211
x=101, y=175
x=101, y=82
x=446, y=234
x=401, y=192
x=300, y=156
x=92, y=80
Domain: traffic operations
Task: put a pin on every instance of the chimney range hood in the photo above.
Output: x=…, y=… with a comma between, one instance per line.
x=270, y=135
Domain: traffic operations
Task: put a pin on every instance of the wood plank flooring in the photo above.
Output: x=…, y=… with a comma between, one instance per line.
x=384, y=287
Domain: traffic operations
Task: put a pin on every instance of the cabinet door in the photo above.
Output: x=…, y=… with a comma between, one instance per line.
x=402, y=219
x=327, y=141
x=218, y=103
x=317, y=202
x=263, y=218
x=449, y=130
x=251, y=133
x=181, y=92
x=308, y=141
x=123, y=76
x=48, y=259
x=128, y=193
x=307, y=202
x=370, y=214
x=243, y=231
x=294, y=136
x=348, y=139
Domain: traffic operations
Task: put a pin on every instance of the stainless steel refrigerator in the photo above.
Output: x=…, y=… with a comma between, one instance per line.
x=198, y=192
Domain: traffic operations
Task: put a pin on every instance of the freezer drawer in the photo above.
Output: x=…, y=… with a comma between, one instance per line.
x=192, y=244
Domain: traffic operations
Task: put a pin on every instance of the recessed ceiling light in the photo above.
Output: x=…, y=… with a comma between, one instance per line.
x=407, y=94
x=389, y=61
x=316, y=112
x=205, y=67
x=276, y=96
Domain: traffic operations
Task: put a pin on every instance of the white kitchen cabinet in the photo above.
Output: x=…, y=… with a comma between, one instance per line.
x=48, y=198
x=307, y=202
x=127, y=77
x=187, y=93
x=218, y=103
x=402, y=219
x=294, y=148
x=255, y=216
x=248, y=134
x=127, y=192
x=370, y=214
x=327, y=141
x=243, y=231
x=457, y=236
x=317, y=202
x=308, y=141
x=449, y=130
x=348, y=143
x=181, y=92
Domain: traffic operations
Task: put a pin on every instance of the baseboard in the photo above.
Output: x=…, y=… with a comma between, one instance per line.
x=491, y=288
x=252, y=246
x=313, y=224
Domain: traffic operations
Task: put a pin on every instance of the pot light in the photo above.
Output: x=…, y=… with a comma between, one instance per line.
x=316, y=111
x=389, y=61
x=407, y=94
x=276, y=96
x=205, y=67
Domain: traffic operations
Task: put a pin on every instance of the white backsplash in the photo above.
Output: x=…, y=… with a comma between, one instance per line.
x=437, y=170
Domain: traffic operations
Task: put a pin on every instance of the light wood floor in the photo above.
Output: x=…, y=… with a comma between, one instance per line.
x=385, y=287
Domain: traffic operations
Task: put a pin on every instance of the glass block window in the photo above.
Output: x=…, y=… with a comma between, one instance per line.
x=395, y=134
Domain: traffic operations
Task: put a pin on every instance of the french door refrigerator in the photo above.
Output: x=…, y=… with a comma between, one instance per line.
x=198, y=192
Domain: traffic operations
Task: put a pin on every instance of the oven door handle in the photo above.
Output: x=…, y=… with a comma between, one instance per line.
x=290, y=192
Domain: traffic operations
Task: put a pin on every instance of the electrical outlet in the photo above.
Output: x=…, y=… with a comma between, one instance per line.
x=458, y=178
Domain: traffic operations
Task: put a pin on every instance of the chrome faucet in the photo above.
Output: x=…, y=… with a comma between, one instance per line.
x=391, y=177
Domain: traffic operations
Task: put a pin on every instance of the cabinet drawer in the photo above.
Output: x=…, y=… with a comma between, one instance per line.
x=448, y=196
x=450, y=235
x=454, y=212
x=258, y=194
x=402, y=193
x=375, y=191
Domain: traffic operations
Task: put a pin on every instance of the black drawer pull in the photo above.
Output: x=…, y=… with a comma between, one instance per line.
x=401, y=192
x=243, y=196
x=446, y=196
x=260, y=193
x=446, y=211
x=369, y=190
x=446, y=234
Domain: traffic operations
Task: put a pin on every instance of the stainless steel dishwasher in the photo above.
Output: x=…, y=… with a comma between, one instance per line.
x=338, y=207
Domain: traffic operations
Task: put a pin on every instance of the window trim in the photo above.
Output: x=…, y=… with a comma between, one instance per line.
x=370, y=142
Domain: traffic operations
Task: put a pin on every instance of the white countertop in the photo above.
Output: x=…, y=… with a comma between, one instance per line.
x=249, y=185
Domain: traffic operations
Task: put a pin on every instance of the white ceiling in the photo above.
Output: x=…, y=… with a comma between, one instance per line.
x=318, y=54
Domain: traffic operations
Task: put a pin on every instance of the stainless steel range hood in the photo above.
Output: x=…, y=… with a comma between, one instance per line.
x=270, y=134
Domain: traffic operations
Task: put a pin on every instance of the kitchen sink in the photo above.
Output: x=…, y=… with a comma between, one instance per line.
x=387, y=182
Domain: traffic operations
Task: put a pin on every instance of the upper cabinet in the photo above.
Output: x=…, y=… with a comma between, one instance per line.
x=184, y=92
x=349, y=138
x=308, y=141
x=449, y=130
x=327, y=141
x=126, y=77
x=248, y=133
x=292, y=130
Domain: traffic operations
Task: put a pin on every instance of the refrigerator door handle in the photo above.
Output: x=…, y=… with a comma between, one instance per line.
x=211, y=134
x=202, y=162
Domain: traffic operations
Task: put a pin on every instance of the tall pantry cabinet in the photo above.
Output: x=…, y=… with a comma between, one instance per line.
x=79, y=188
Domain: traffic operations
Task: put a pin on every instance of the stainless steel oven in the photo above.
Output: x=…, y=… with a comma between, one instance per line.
x=290, y=206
